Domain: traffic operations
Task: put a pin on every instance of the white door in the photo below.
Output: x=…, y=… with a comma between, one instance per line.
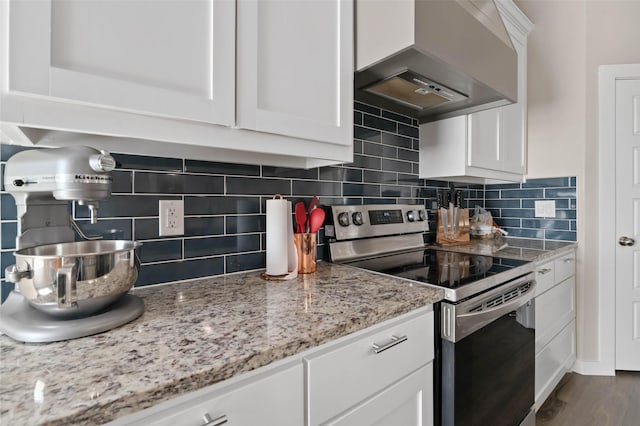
x=170, y=58
x=627, y=189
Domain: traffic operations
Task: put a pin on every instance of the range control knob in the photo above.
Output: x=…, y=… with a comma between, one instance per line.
x=343, y=219
x=422, y=215
x=411, y=216
x=357, y=218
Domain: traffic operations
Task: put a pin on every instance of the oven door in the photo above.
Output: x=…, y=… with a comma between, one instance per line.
x=487, y=357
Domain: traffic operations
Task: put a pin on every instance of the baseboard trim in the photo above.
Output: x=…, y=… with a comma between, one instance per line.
x=593, y=368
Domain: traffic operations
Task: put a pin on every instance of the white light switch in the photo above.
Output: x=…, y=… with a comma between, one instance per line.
x=546, y=208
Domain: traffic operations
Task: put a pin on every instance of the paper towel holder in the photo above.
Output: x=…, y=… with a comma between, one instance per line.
x=291, y=253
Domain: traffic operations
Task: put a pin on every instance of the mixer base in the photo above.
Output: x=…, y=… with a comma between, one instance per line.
x=22, y=322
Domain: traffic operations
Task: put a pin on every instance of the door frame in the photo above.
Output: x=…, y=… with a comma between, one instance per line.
x=607, y=77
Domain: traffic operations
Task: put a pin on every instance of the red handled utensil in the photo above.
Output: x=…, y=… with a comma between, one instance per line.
x=301, y=217
x=316, y=219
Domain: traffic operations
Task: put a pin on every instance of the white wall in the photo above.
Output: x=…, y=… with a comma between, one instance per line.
x=570, y=40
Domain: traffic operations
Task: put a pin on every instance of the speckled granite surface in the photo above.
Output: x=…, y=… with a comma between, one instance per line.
x=515, y=248
x=192, y=335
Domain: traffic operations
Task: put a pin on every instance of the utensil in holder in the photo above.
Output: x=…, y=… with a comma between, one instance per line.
x=306, y=247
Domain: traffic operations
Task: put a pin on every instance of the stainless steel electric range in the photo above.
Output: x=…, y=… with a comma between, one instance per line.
x=484, y=369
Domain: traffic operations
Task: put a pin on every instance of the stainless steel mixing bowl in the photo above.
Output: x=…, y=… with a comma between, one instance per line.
x=75, y=279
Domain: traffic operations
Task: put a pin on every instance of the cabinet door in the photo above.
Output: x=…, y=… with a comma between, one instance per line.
x=295, y=68
x=169, y=58
x=408, y=402
x=484, y=144
x=553, y=362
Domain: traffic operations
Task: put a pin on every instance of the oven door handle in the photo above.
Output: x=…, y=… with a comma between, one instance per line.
x=467, y=323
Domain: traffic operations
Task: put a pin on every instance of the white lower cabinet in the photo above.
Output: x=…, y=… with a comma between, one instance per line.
x=555, y=323
x=344, y=382
x=275, y=398
x=382, y=375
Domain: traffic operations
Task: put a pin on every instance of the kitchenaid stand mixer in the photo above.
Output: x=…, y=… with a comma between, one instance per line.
x=64, y=289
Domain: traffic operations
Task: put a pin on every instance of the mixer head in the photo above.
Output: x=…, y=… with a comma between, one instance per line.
x=77, y=173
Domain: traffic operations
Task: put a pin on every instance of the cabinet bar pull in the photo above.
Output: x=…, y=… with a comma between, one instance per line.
x=544, y=271
x=569, y=260
x=395, y=340
x=208, y=421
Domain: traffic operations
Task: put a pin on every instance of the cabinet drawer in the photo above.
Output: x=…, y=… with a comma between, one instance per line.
x=341, y=378
x=554, y=310
x=545, y=277
x=565, y=267
x=553, y=362
x=271, y=399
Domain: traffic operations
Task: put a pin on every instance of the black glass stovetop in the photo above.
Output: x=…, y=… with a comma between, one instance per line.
x=438, y=267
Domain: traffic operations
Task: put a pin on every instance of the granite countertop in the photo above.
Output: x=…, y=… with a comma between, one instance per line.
x=515, y=248
x=193, y=334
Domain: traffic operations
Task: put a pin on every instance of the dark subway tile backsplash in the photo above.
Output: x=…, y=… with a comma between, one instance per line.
x=181, y=270
x=9, y=231
x=211, y=246
x=210, y=167
x=158, y=251
x=225, y=203
x=245, y=224
x=244, y=262
x=221, y=205
x=367, y=108
x=172, y=183
x=513, y=208
x=262, y=186
x=143, y=162
x=8, y=209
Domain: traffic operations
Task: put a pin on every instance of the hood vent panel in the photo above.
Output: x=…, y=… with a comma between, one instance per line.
x=414, y=91
x=457, y=58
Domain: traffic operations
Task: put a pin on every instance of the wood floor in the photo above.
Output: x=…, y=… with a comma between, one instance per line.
x=593, y=400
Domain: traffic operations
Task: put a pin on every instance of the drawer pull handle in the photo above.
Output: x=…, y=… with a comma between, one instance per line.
x=395, y=340
x=544, y=271
x=208, y=421
x=569, y=260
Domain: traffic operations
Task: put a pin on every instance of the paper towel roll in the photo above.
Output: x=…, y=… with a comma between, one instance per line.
x=277, y=236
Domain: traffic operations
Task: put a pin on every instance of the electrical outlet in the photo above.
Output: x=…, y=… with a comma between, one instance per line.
x=545, y=208
x=171, y=217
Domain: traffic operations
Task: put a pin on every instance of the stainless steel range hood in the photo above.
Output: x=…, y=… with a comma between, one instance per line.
x=433, y=59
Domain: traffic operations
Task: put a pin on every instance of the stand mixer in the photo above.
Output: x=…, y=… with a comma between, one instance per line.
x=64, y=289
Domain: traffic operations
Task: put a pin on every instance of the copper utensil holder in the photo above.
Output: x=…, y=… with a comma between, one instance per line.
x=306, y=248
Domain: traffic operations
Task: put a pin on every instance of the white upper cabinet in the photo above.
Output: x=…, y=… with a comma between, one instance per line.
x=170, y=58
x=267, y=82
x=489, y=145
x=295, y=68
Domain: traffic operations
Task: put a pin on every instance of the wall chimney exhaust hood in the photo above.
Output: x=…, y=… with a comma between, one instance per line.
x=433, y=59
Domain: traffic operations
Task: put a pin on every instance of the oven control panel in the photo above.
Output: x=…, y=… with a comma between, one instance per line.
x=358, y=221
